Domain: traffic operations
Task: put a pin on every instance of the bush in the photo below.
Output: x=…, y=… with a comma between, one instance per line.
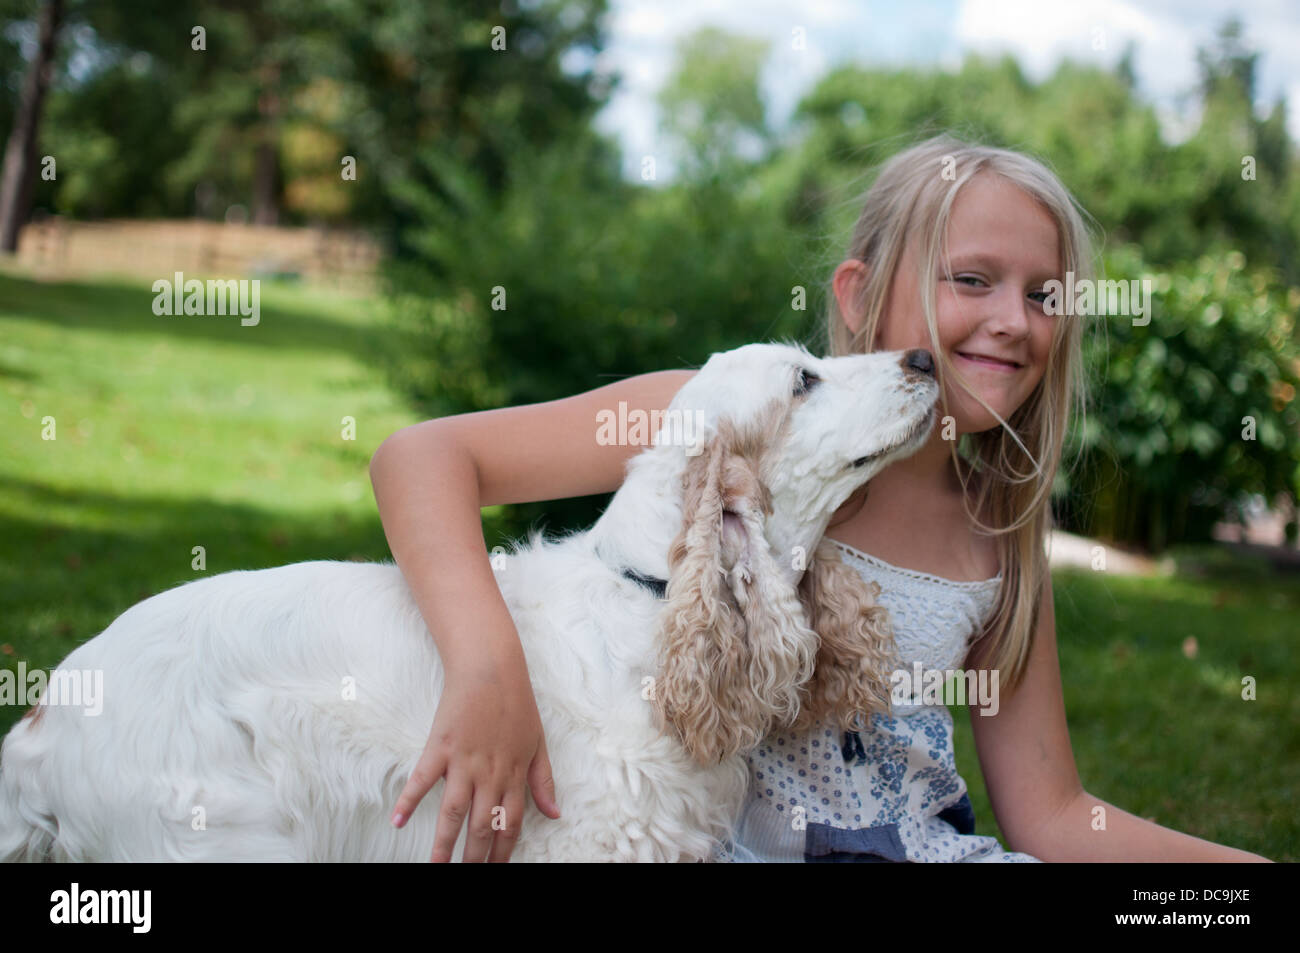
x=1192, y=412
x=570, y=279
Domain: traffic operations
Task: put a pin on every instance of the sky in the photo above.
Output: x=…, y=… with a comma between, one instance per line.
x=1039, y=33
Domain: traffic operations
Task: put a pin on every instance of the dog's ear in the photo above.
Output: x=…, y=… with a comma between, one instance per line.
x=734, y=646
x=856, y=653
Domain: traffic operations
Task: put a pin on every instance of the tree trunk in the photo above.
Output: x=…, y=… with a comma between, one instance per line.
x=266, y=159
x=266, y=207
x=19, y=176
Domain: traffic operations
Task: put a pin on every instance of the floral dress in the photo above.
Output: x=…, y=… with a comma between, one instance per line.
x=892, y=792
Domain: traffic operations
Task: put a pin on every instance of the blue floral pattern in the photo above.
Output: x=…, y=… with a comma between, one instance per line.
x=891, y=792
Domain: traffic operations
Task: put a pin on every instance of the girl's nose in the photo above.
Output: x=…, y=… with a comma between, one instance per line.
x=1006, y=313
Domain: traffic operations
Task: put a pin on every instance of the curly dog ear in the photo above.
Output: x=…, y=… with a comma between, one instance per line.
x=856, y=652
x=734, y=647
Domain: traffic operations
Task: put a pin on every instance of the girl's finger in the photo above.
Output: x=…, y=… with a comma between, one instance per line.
x=455, y=805
x=428, y=771
x=503, y=844
x=542, y=784
x=486, y=808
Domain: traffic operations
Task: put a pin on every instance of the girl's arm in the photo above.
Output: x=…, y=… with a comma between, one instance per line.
x=430, y=480
x=1033, y=784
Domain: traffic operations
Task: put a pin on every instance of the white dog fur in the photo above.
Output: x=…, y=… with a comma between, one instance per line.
x=275, y=715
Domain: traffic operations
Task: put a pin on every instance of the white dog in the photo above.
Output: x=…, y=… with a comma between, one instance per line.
x=276, y=714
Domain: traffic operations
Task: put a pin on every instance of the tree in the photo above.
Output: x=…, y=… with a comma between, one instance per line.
x=1227, y=63
x=19, y=174
x=1192, y=412
x=263, y=99
x=711, y=103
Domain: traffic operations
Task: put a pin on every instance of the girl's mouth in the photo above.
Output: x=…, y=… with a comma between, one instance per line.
x=993, y=363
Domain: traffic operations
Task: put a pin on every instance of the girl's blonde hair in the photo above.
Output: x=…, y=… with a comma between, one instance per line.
x=1007, y=472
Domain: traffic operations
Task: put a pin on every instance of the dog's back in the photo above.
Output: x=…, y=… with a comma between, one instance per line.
x=276, y=714
x=225, y=700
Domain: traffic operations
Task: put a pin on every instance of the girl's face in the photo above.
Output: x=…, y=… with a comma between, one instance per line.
x=1003, y=247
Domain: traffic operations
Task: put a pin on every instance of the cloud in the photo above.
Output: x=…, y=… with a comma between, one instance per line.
x=1165, y=33
x=1038, y=33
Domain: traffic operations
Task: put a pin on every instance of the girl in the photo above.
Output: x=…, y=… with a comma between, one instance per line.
x=951, y=253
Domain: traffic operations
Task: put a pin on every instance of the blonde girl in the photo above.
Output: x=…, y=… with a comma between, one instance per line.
x=951, y=253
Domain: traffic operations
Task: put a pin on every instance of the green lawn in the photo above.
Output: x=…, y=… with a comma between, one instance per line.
x=1169, y=737
x=172, y=433
x=179, y=432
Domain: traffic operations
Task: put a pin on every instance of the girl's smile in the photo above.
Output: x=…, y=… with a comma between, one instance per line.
x=1002, y=246
x=1001, y=365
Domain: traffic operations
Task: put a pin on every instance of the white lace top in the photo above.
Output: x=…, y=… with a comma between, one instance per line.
x=892, y=792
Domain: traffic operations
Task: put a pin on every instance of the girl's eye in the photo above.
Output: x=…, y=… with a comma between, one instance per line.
x=975, y=281
x=804, y=382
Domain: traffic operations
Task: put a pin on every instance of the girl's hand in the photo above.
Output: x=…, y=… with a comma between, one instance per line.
x=431, y=480
x=487, y=739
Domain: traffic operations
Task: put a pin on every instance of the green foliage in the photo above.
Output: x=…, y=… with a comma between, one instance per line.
x=592, y=280
x=597, y=278
x=711, y=103
x=1105, y=144
x=91, y=136
x=1194, y=410
x=162, y=128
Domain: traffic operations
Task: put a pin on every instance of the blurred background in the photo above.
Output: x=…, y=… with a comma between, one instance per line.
x=454, y=206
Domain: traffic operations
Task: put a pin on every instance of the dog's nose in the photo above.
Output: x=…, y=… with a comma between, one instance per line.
x=919, y=360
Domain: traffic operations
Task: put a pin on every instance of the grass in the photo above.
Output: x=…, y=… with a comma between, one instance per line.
x=1169, y=737
x=172, y=433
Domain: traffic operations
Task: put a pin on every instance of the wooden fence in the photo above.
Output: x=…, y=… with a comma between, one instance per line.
x=55, y=247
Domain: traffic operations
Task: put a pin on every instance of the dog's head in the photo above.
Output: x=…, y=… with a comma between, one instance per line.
x=764, y=625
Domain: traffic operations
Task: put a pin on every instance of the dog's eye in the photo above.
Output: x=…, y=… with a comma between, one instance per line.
x=804, y=382
x=861, y=462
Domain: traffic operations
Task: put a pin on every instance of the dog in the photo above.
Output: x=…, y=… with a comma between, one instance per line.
x=275, y=714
